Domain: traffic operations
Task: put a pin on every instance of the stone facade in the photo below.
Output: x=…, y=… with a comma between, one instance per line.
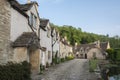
x=5, y=16
x=95, y=53
x=45, y=42
x=55, y=43
x=13, y=23
x=65, y=48
x=93, y=50
x=20, y=54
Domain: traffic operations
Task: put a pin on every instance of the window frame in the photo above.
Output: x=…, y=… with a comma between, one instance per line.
x=33, y=20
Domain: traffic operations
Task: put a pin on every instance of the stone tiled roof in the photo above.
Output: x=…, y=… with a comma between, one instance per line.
x=65, y=42
x=28, y=6
x=85, y=46
x=17, y=7
x=103, y=46
x=43, y=48
x=21, y=7
x=27, y=39
x=43, y=23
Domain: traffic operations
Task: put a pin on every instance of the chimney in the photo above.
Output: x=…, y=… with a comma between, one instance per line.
x=28, y=1
x=97, y=44
x=65, y=37
x=76, y=44
x=68, y=43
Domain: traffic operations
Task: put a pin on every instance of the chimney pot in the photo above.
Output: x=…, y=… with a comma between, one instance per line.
x=28, y=1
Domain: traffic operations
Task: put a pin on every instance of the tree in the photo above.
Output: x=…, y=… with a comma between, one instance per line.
x=77, y=35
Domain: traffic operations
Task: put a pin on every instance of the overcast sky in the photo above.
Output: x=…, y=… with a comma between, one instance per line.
x=96, y=16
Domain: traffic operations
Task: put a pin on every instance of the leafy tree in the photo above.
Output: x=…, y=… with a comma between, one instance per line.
x=77, y=35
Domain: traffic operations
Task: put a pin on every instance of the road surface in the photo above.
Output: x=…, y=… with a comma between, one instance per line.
x=77, y=69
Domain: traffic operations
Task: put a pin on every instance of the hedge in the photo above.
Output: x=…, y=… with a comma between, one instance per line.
x=15, y=71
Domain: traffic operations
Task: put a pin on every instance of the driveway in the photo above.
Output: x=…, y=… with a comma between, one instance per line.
x=77, y=69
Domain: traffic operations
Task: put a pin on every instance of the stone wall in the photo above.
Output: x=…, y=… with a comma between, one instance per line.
x=95, y=53
x=5, y=17
x=20, y=54
x=34, y=57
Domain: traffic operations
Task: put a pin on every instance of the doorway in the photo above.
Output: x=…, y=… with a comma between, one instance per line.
x=85, y=56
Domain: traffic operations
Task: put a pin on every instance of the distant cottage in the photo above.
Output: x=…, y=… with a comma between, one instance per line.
x=93, y=50
x=65, y=48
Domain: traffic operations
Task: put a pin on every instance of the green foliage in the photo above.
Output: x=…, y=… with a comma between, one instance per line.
x=42, y=68
x=113, y=54
x=93, y=65
x=114, y=70
x=56, y=61
x=69, y=58
x=77, y=35
x=15, y=71
x=47, y=65
x=117, y=51
x=62, y=59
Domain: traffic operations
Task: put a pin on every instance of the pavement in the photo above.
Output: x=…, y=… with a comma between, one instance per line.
x=77, y=69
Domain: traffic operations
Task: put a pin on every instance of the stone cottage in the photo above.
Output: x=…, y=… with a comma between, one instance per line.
x=93, y=50
x=19, y=27
x=45, y=42
x=65, y=48
x=55, y=43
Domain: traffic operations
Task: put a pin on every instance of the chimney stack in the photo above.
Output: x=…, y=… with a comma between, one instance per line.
x=28, y=1
x=76, y=44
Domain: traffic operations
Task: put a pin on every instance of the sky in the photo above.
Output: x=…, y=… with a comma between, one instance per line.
x=94, y=16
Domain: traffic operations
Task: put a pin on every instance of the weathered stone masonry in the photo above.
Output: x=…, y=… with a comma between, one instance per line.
x=5, y=16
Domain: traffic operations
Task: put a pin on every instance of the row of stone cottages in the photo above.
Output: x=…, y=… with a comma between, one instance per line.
x=24, y=36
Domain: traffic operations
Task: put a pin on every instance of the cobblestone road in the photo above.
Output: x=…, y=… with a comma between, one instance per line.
x=77, y=69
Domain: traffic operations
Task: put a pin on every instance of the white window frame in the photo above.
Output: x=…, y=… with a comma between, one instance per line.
x=33, y=20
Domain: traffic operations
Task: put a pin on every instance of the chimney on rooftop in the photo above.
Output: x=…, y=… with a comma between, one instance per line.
x=28, y=1
x=76, y=44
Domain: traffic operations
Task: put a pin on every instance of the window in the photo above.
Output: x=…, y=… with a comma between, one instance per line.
x=49, y=54
x=94, y=55
x=81, y=55
x=32, y=20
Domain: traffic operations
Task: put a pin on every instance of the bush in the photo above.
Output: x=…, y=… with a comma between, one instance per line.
x=62, y=59
x=42, y=68
x=15, y=71
x=56, y=60
x=93, y=65
x=69, y=58
x=47, y=65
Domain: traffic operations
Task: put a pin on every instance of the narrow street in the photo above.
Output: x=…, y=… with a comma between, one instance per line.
x=77, y=69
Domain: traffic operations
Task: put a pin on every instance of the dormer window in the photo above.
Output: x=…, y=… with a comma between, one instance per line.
x=32, y=20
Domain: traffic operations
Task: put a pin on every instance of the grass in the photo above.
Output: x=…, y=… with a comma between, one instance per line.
x=93, y=65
